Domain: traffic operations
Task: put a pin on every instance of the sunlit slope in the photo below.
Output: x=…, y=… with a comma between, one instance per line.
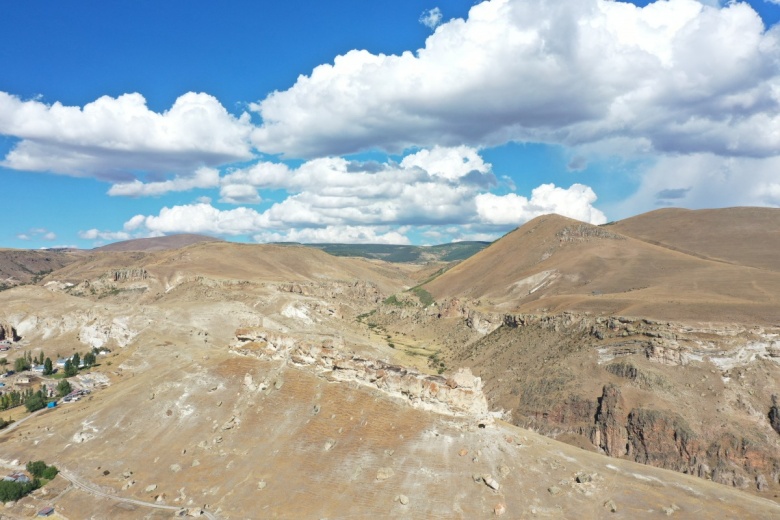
x=553, y=263
x=744, y=236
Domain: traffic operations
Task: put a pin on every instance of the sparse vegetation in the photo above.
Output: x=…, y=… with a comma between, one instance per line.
x=435, y=361
x=363, y=316
x=425, y=297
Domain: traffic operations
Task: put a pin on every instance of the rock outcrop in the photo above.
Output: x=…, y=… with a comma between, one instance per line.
x=610, y=433
x=687, y=397
x=127, y=275
x=8, y=333
x=459, y=394
x=774, y=415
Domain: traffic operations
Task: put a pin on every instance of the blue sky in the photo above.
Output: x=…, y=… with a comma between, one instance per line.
x=352, y=121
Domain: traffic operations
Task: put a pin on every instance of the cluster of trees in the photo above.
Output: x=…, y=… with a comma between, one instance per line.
x=39, y=469
x=27, y=360
x=14, y=398
x=10, y=491
x=63, y=388
x=35, y=401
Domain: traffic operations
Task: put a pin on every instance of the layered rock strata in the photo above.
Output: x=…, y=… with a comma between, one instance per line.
x=460, y=394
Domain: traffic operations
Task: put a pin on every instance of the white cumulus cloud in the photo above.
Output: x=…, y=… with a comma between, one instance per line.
x=96, y=234
x=431, y=18
x=336, y=234
x=111, y=138
x=202, y=178
x=675, y=76
x=333, y=199
x=574, y=202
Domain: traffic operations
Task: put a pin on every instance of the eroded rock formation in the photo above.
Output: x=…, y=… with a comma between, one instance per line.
x=8, y=333
x=459, y=394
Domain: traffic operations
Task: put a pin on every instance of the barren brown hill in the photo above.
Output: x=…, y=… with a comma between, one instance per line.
x=158, y=243
x=23, y=266
x=553, y=264
x=744, y=236
x=159, y=272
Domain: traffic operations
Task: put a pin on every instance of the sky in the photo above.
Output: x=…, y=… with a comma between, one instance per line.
x=406, y=122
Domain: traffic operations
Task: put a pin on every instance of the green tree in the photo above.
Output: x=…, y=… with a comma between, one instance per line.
x=35, y=402
x=89, y=359
x=48, y=368
x=76, y=360
x=21, y=364
x=36, y=468
x=50, y=472
x=70, y=368
x=64, y=388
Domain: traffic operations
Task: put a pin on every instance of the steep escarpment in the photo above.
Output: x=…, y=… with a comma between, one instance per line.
x=691, y=398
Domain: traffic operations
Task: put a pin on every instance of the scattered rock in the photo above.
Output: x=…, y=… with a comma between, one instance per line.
x=278, y=384
x=761, y=483
x=610, y=506
x=329, y=444
x=491, y=482
x=671, y=509
x=175, y=468
x=463, y=452
x=503, y=471
x=500, y=509
x=583, y=478
x=195, y=462
x=384, y=473
x=150, y=488
x=403, y=499
x=554, y=490
x=477, y=477
x=262, y=484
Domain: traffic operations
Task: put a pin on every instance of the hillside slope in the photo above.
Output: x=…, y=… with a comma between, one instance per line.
x=553, y=264
x=163, y=243
x=742, y=236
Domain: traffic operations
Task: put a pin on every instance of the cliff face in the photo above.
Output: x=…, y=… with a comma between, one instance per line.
x=687, y=397
x=8, y=333
x=460, y=394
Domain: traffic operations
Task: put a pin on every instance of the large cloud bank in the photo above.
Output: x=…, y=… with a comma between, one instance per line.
x=675, y=76
x=336, y=200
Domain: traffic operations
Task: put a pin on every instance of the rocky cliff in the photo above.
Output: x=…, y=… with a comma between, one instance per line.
x=8, y=333
x=460, y=394
x=688, y=397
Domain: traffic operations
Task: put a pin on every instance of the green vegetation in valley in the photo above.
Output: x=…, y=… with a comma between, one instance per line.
x=405, y=254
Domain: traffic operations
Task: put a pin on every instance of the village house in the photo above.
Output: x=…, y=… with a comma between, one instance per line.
x=17, y=476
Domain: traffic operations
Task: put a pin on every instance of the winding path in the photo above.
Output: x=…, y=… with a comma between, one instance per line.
x=94, y=490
